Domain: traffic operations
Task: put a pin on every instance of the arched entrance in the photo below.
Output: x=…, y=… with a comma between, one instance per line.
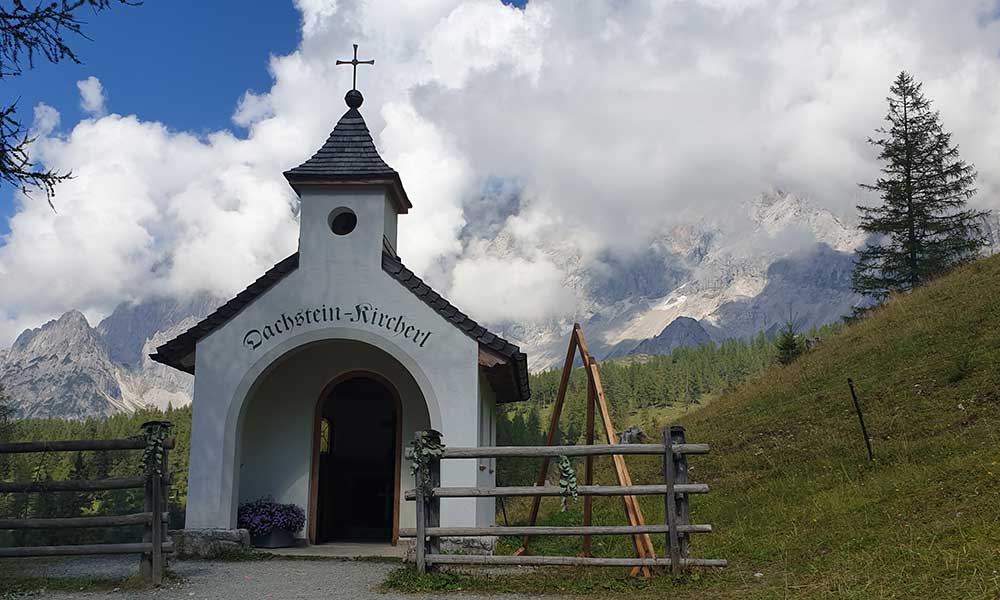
x=357, y=461
x=277, y=451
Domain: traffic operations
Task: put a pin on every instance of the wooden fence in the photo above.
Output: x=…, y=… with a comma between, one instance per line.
x=155, y=483
x=675, y=490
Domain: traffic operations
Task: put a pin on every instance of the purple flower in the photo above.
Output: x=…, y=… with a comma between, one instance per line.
x=264, y=515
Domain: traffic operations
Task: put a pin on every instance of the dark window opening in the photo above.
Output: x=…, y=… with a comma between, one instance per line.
x=343, y=221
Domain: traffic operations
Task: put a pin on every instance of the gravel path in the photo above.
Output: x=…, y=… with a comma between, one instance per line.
x=204, y=580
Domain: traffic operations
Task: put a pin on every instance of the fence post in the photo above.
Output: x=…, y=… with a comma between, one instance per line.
x=670, y=501
x=151, y=565
x=146, y=559
x=165, y=499
x=419, y=543
x=433, y=505
x=677, y=436
x=157, y=526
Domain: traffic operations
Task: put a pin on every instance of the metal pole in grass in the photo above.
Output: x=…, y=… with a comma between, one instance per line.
x=861, y=419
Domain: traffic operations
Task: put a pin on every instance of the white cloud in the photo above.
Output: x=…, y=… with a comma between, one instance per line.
x=252, y=108
x=610, y=119
x=46, y=119
x=527, y=290
x=91, y=96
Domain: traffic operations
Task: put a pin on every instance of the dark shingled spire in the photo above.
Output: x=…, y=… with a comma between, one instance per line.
x=349, y=157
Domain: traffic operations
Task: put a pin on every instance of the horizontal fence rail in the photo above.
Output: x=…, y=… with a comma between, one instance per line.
x=78, y=445
x=675, y=491
x=552, y=490
x=145, y=518
x=543, y=530
x=72, y=485
x=578, y=561
x=154, y=482
x=83, y=549
x=553, y=451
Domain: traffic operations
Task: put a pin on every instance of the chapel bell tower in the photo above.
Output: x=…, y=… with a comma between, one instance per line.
x=350, y=198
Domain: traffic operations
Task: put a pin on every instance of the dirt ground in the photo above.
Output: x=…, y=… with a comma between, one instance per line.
x=210, y=580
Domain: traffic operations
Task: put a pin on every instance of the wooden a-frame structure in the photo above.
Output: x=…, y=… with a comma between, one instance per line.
x=596, y=402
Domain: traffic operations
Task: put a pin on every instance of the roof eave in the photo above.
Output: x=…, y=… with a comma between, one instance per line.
x=183, y=363
x=496, y=355
x=179, y=352
x=390, y=182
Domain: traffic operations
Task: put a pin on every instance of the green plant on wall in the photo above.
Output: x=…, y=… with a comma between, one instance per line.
x=425, y=447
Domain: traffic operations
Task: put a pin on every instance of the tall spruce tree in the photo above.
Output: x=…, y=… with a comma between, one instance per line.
x=923, y=226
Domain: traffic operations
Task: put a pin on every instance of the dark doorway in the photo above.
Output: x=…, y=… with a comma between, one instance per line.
x=356, y=494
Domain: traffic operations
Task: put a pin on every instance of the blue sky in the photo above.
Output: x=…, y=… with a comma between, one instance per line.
x=185, y=63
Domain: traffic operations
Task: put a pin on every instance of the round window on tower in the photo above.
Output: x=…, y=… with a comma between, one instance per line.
x=342, y=221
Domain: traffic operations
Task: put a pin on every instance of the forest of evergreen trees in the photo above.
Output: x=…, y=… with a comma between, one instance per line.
x=636, y=388
x=87, y=465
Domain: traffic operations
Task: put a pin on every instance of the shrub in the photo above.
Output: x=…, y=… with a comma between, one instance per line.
x=264, y=515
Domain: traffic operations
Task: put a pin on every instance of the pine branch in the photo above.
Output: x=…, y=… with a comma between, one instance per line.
x=15, y=162
x=27, y=34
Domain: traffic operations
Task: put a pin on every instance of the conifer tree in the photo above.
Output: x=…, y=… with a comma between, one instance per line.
x=5, y=430
x=923, y=226
x=6, y=412
x=787, y=344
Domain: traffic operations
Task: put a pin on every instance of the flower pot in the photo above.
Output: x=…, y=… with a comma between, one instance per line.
x=278, y=538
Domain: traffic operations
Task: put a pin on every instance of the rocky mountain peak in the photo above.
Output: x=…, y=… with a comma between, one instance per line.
x=66, y=368
x=75, y=319
x=778, y=211
x=681, y=332
x=57, y=335
x=128, y=327
x=61, y=369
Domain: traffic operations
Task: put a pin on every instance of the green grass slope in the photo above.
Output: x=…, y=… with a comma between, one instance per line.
x=794, y=495
x=798, y=509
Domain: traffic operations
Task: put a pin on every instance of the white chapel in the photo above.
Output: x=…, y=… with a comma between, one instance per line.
x=310, y=382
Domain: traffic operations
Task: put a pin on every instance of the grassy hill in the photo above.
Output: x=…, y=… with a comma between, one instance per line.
x=799, y=510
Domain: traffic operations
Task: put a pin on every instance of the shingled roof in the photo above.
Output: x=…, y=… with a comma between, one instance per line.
x=505, y=365
x=504, y=353
x=349, y=156
x=179, y=352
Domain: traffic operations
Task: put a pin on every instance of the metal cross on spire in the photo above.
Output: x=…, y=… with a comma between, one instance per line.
x=355, y=62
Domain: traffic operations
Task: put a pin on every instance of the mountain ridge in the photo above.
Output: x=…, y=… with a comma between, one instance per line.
x=735, y=282
x=67, y=368
x=695, y=283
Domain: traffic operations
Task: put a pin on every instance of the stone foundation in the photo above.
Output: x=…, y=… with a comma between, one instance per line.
x=209, y=543
x=483, y=545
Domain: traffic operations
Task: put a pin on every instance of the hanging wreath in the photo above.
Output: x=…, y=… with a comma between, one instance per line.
x=425, y=447
x=154, y=433
x=567, y=482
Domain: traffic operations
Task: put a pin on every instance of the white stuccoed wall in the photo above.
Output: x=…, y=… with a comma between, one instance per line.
x=234, y=403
